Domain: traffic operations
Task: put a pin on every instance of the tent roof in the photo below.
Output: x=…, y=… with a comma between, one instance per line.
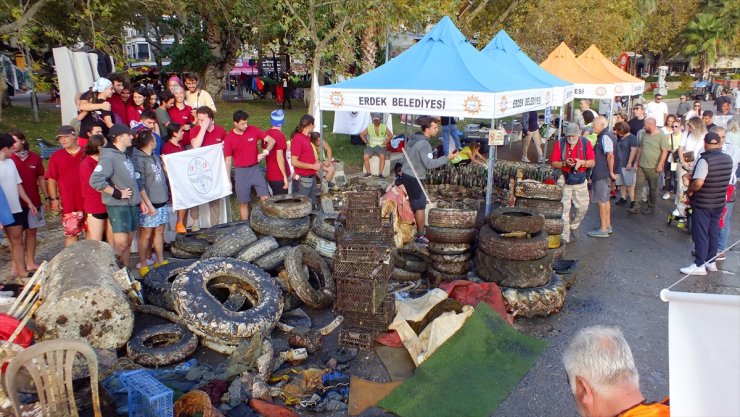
x=442, y=60
x=592, y=57
x=563, y=63
x=504, y=50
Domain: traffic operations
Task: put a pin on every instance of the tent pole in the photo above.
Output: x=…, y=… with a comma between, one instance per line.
x=489, y=185
x=611, y=115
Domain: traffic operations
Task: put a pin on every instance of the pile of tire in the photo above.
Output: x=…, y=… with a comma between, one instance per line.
x=451, y=233
x=544, y=199
x=408, y=264
x=513, y=253
x=322, y=236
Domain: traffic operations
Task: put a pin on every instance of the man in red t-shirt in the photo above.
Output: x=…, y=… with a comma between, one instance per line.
x=574, y=163
x=206, y=133
x=303, y=159
x=63, y=181
x=117, y=104
x=240, y=147
x=276, y=162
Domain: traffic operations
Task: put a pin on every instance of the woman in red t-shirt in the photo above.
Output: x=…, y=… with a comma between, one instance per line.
x=303, y=159
x=181, y=114
x=98, y=225
x=173, y=145
x=139, y=97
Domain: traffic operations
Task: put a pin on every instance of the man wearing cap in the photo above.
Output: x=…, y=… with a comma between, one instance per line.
x=573, y=156
x=708, y=194
x=657, y=109
x=63, y=182
x=651, y=156
x=375, y=136
x=276, y=162
x=241, y=148
x=115, y=177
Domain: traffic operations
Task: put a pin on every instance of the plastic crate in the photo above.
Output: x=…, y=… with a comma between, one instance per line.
x=362, y=270
x=147, y=397
x=363, y=200
x=374, y=322
x=46, y=148
x=357, y=338
x=360, y=295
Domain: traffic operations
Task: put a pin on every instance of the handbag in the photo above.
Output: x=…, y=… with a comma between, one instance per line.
x=689, y=156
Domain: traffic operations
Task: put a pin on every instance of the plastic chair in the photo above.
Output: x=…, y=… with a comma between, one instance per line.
x=50, y=365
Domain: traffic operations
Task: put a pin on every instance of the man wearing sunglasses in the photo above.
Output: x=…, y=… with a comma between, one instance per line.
x=637, y=122
x=657, y=109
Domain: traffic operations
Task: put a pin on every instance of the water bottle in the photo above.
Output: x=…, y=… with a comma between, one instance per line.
x=185, y=366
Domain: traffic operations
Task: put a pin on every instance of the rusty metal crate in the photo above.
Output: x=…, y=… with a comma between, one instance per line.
x=357, y=338
x=362, y=270
x=377, y=322
x=365, y=219
x=360, y=295
x=363, y=200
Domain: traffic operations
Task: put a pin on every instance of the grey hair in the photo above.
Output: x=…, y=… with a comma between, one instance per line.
x=177, y=89
x=602, y=120
x=718, y=129
x=733, y=125
x=651, y=119
x=601, y=356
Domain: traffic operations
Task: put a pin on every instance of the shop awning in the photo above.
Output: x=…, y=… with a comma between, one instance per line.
x=594, y=61
x=562, y=63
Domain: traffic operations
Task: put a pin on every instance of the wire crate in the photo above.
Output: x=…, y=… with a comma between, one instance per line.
x=360, y=295
x=364, y=246
x=362, y=270
x=363, y=200
x=375, y=322
x=366, y=219
x=357, y=338
x=147, y=397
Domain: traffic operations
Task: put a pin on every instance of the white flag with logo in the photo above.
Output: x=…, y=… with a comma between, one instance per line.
x=197, y=176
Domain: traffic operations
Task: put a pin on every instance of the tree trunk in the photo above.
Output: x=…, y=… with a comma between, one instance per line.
x=223, y=46
x=369, y=48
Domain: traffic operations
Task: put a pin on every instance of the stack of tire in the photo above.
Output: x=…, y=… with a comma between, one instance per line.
x=512, y=252
x=322, y=235
x=544, y=199
x=408, y=264
x=451, y=233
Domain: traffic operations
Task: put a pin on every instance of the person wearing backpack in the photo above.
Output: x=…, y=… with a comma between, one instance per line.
x=574, y=156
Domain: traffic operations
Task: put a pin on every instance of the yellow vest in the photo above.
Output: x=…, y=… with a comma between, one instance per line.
x=374, y=140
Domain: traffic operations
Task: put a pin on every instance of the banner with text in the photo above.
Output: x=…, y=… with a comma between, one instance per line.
x=197, y=176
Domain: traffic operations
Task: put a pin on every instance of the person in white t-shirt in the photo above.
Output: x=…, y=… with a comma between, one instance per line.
x=657, y=109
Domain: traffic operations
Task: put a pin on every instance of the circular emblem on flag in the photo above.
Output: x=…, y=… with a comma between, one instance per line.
x=601, y=91
x=200, y=175
x=336, y=99
x=618, y=89
x=503, y=104
x=472, y=104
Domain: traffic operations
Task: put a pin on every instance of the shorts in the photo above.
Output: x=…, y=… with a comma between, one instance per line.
x=123, y=219
x=306, y=186
x=99, y=216
x=245, y=179
x=417, y=199
x=20, y=219
x=73, y=223
x=376, y=150
x=601, y=189
x=277, y=187
x=161, y=217
x=37, y=221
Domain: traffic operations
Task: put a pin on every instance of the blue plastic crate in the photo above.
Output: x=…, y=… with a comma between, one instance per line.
x=147, y=397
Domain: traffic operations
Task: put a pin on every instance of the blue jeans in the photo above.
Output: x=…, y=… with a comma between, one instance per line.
x=724, y=232
x=705, y=233
x=449, y=134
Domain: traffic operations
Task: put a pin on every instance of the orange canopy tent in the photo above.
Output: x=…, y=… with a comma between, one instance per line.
x=596, y=63
x=562, y=62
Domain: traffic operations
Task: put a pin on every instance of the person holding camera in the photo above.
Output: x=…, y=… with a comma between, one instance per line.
x=574, y=156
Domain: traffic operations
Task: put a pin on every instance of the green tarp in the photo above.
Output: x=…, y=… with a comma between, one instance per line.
x=471, y=373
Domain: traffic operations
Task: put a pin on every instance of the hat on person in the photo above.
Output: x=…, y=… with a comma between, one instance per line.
x=712, y=137
x=277, y=118
x=119, y=129
x=572, y=130
x=101, y=84
x=65, y=130
x=176, y=79
x=377, y=116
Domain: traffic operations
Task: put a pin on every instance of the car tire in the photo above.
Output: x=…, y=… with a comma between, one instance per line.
x=548, y=208
x=157, y=286
x=206, y=315
x=326, y=248
x=450, y=258
x=229, y=245
x=257, y=249
x=213, y=233
x=516, y=219
x=448, y=248
x=273, y=260
x=554, y=226
x=539, y=191
x=524, y=249
x=450, y=235
x=191, y=243
x=181, y=254
x=454, y=268
x=287, y=206
x=279, y=228
x=409, y=260
x=300, y=281
x=437, y=277
x=183, y=343
x=452, y=218
x=324, y=226
x=515, y=274
x=535, y=302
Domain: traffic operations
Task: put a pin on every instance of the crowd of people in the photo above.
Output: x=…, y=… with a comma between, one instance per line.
x=109, y=180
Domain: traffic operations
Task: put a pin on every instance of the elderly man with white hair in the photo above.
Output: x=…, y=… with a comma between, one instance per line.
x=603, y=377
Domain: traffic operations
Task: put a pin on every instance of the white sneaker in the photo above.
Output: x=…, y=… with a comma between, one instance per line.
x=676, y=213
x=694, y=270
x=525, y=159
x=711, y=266
x=666, y=196
x=195, y=226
